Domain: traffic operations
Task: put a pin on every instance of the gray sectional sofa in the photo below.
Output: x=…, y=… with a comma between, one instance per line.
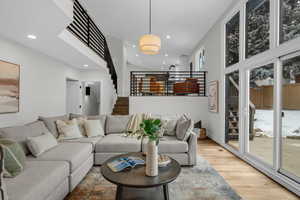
x=55, y=173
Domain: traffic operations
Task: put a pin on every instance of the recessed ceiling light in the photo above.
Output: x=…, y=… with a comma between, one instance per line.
x=32, y=37
x=166, y=55
x=164, y=62
x=168, y=37
x=137, y=55
x=134, y=46
x=85, y=65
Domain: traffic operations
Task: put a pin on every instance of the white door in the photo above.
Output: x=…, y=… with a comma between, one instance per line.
x=74, y=97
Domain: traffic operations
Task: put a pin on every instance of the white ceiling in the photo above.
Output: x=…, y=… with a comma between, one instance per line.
x=186, y=21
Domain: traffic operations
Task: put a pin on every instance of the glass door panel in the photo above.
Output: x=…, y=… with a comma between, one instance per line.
x=232, y=109
x=290, y=131
x=261, y=134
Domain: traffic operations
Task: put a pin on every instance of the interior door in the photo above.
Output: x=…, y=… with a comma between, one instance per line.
x=73, y=97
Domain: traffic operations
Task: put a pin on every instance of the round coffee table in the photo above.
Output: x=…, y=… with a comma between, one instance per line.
x=134, y=184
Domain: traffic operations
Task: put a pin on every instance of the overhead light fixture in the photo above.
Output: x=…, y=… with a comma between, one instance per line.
x=32, y=37
x=166, y=55
x=150, y=44
x=168, y=37
x=85, y=65
x=134, y=46
x=164, y=62
x=137, y=55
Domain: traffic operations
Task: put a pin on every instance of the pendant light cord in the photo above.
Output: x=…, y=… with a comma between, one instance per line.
x=150, y=16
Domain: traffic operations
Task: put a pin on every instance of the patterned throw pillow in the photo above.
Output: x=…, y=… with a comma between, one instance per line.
x=14, y=158
x=68, y=129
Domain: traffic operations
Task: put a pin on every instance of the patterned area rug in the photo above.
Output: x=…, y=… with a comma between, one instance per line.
x=201, y=182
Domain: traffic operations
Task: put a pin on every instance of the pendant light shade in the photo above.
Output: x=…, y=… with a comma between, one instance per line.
x=150, y=44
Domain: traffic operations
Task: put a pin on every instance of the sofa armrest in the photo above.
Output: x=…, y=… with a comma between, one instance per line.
x=192, y=153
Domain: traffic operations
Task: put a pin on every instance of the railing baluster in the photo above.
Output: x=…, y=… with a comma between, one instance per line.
x=168, y=83
x=87, y=31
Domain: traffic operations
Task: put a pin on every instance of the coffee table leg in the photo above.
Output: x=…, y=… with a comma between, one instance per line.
x=166, y=191
x=119, y=192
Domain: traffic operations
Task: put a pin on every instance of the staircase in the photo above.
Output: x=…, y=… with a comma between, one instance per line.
x=121, y=106
x=233, y=129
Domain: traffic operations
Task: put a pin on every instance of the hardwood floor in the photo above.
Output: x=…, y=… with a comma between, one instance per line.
x=248, y=182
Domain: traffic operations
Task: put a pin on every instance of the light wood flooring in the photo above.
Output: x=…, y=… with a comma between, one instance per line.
x=248, y=182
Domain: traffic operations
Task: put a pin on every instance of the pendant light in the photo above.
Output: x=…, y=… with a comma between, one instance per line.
x=150, y=44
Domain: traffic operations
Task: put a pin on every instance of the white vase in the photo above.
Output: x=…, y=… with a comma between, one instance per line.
x=152, y=159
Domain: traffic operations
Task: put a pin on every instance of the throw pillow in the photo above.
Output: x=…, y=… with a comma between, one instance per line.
x=50, y=123
x=40, y=144
x=170, y=124
x=93, y=128
x=81, y=121
x=14, y=158
x=184, y=128
x=68, y=129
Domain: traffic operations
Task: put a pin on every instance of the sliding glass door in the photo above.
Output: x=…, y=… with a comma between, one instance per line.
x=232, y=109
x=260, y=140
x=290, y=130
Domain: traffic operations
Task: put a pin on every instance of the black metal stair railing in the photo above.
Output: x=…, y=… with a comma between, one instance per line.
x=84, y=28
x=168, y=83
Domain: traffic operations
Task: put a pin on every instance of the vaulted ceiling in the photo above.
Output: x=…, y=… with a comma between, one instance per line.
x=186, y=21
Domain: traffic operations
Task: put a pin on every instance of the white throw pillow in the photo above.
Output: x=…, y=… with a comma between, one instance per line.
x=68, y=129
x=93, y=128
x=39, y=144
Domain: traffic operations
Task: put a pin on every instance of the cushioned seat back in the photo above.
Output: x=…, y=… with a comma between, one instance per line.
x=50, y=123
x=117, y=123
x=20, y=133
x=102, y=118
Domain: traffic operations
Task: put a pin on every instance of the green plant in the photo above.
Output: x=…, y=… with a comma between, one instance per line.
x=148, y=128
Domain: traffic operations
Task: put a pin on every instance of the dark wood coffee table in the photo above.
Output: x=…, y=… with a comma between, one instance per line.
x=134, y=184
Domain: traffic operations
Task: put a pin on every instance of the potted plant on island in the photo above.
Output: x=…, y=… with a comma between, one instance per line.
x=150, y=128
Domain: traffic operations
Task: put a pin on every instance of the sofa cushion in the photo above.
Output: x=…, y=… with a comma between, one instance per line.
x=20, y=133
x=50, y=123
x=74, y=153
x=117, y=123
x=38, y=180
x=118, y=143
x=184, y=128
x=168, y=144
x=102, y=118
x=39, y=144
x=92, y=140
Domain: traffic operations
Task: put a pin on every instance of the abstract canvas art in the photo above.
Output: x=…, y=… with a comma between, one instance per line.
x=9, y=87
x=213, y=96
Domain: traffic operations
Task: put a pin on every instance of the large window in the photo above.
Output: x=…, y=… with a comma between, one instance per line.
x=257, y=27
x=290, y=20
x=233, y=40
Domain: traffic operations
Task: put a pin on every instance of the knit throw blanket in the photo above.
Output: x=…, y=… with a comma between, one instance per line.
x=136, y=120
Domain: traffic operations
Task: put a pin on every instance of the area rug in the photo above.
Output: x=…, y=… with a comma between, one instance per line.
x=201, y=182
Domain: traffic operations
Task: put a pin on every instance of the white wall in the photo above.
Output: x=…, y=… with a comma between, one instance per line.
x=196, y=107
x=118, y=54
x=213, y=64
x=42, y=84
